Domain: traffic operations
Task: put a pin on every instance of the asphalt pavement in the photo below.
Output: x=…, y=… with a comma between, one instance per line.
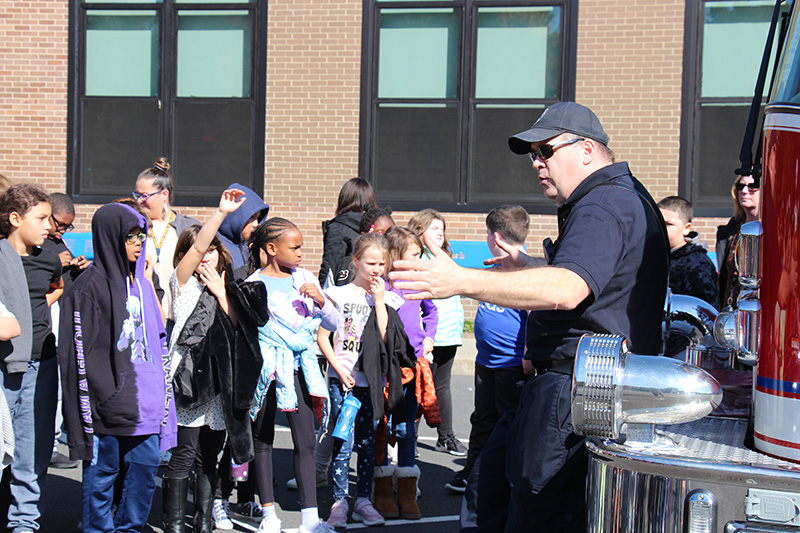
x=439, y=508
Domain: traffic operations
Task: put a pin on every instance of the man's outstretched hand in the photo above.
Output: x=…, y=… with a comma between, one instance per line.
x=512, y=258
x=440, y=277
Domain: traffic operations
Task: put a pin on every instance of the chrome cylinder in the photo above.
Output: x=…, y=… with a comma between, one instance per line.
x=747, y=256
x=611, y=388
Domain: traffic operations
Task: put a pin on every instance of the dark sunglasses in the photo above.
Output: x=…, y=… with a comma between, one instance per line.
x=546, y=151
x=60, y=227
x=131, y=238
x=752, y=186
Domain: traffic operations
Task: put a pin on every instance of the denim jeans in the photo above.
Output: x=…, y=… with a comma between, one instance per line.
x=31, y=398
x=405, y=432
x=363, y=436
x=140, y=456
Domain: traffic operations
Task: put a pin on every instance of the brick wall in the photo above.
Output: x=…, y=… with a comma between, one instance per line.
x=629, y=71
x=33, y=92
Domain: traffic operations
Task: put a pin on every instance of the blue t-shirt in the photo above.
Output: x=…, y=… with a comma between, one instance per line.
x=499, y=336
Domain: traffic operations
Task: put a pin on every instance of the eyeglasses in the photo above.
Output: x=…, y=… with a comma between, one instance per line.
x=143, y=196
x=546, y=151
x=60, y=227
x=751, y=186
x=131, y=238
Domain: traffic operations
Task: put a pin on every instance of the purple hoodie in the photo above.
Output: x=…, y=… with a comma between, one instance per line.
x=419, y=319
x=112, y=345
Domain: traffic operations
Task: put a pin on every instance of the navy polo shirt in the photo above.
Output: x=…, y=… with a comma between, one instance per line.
x=611, y=238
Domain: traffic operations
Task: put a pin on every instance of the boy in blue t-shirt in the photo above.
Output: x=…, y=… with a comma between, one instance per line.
x=500, y=340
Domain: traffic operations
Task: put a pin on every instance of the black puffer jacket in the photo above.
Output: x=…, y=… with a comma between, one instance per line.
x=221, y=357
x=692, y=272
x=725, y=236
x=339, y=235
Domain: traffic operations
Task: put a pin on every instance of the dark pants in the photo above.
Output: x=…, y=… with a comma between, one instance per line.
x=442, y=368
x=497, y=390
x=196, y=445
x=405, y=432
x=545, y=465
x=140, y=457
x=301, y=422
x=245, y=490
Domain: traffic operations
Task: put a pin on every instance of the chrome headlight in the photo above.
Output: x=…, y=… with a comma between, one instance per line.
x=611, y=388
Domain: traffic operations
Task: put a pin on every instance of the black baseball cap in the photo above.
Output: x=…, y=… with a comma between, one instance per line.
x=563, y=117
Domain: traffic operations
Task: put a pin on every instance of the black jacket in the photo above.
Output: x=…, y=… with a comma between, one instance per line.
x=223, y=358
x=380, y=358
x=692, y=272
x=338, y=236
x=725, y=237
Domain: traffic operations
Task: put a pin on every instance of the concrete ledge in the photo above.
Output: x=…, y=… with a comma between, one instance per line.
x=464, y=365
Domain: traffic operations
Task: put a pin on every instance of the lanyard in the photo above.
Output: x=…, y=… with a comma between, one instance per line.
x=163, y=236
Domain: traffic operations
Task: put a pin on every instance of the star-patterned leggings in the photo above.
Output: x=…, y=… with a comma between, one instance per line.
x=363, y=436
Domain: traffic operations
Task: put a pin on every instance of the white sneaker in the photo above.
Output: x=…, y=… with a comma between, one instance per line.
x=322, y=527
x=220, y=515
x=270, y=524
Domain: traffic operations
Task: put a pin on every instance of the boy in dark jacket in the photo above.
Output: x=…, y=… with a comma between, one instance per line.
x=118, y=405
x=691, y=271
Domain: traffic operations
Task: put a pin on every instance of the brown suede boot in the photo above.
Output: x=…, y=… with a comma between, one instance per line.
x=383, y=498
x=407, y=477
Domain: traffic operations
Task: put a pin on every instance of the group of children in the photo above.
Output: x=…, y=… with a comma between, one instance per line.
x=241, y=344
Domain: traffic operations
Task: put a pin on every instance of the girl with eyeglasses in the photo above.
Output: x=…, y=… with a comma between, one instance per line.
x=117, y=400
x=746, y=204
x=155, y=193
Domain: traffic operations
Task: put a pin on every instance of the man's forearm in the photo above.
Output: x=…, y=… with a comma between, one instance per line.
x=535, y=289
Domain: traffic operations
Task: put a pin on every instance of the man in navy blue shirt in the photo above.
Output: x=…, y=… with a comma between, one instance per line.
x=605, y=273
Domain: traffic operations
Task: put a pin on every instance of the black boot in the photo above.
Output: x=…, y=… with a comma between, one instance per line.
x=203, y=503
x=174, y=491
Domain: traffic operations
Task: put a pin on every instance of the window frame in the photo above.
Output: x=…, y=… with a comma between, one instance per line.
x=465, y=99
x=691, y=108
x=167, y=11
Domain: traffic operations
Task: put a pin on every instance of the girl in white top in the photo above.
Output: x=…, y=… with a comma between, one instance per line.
x=155, y=191
x=201, y=262
x=356, y=302
x=290, y=377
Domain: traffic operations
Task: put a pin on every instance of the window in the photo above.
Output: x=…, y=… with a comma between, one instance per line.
x=166, y=77
x=445, y=84
x=724, y=44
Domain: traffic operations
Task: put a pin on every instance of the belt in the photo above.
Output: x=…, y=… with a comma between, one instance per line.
x=562, y=366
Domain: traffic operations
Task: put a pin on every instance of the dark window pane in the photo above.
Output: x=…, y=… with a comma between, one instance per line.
x=119, y=138
x=498, y=173
x=721, y=130
x=212, y=146
x=416, y=152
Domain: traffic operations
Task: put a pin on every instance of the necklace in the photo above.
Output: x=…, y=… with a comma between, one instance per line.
x=163, y=236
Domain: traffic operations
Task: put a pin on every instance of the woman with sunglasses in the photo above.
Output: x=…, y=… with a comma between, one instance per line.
x=155, y=192
x=746, y=202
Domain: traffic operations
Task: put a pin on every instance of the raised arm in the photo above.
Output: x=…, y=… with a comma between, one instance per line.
x=228, y=203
